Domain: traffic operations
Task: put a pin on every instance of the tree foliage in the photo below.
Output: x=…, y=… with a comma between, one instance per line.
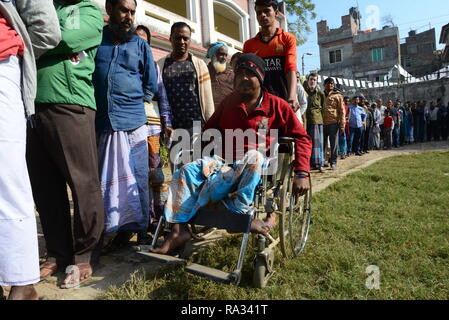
x=303, y=11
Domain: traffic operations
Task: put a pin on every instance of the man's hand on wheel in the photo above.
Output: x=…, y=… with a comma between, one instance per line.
x=301, y=186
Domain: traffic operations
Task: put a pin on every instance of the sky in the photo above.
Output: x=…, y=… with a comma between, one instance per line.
x=407, y=15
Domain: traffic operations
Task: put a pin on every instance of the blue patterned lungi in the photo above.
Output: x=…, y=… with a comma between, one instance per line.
x=210, y=180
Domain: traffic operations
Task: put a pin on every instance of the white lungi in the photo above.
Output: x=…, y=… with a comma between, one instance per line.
x=19, y=253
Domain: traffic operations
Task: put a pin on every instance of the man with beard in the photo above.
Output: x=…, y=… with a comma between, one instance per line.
x=61, y=147
x=221, y=75
x=210, y=181
x=124, y=79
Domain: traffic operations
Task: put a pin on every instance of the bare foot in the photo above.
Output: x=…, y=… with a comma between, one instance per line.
x=76, y=275
x=47, y=269
x=23, y=293
x=177, y=238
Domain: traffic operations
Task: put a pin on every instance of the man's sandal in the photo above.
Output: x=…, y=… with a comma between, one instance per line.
x=47, y=265
x=74, y=275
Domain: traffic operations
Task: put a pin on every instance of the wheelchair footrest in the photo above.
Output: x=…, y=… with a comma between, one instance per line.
x=162, y=258
x=211, y=273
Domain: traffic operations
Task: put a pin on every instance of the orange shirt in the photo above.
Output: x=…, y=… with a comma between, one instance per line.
x=279, y=54
x=11, y=43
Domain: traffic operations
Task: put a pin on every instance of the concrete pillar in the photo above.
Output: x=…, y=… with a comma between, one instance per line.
x=253, y=24
x=208, y=22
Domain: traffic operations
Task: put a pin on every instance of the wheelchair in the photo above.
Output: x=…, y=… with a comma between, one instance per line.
x=274, y=195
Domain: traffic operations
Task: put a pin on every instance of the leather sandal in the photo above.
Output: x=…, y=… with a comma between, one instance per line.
x=47, y=265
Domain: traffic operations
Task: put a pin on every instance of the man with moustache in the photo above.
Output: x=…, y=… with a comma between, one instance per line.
x=187, y=81
x=124, y=79
x=221, y=75
x=250, y=107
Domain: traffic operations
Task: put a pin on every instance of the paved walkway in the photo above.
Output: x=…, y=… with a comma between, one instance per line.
x=115, y=269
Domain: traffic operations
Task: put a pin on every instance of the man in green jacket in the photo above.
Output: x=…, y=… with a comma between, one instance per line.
x=314, y=116
x=61, y=147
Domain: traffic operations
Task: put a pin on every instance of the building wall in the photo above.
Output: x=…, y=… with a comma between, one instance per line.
x=159, y=15
x=364, y=66
x=356, y=46
x=429, y=91
x=242, y=4
x=419, y=51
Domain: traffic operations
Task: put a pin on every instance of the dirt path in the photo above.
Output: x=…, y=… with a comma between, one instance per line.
x=115, y=269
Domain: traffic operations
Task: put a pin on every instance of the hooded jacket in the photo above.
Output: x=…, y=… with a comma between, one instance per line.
x=37, y=24
x=60, y=80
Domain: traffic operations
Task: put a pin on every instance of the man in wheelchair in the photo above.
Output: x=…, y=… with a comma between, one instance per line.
x=211, y=182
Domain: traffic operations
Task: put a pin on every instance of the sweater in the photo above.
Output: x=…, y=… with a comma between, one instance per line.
x=274, y=113
x=204, y=85
x=334, y=111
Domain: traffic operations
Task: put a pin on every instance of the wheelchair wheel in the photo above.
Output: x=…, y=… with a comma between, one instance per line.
x=295, y=218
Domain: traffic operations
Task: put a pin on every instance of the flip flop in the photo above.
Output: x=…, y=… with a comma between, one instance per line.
x=52, y=266
x=74, y=273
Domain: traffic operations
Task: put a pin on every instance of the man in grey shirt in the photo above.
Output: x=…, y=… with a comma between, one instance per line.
x=27, y=29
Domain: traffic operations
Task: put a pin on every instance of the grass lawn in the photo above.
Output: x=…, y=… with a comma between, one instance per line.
x=394, y=215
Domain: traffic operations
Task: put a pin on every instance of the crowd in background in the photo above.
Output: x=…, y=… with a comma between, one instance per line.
x=367, y=125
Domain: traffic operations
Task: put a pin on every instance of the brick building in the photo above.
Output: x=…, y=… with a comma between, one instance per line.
x=444, y=39
x=419, y=53
x=231, y=21
x=351, y=53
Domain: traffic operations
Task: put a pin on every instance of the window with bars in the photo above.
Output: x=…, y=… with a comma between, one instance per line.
x=335, y=56
x=377, y=54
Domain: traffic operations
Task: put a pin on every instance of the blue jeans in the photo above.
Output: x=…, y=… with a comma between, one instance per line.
x=331, y=132
x=396, y=135
x=354, y=140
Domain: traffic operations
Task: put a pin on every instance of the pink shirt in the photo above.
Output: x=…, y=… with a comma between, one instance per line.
x=11, y=43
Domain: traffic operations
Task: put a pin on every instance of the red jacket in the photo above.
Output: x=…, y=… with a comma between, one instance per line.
x=274, y=113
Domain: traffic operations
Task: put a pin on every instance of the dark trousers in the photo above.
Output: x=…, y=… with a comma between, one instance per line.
x=331, y=133
x=61, y=150
x=354, y=141
x=366, y=139
x=388, y=137
x=434, y=131
x=445, y=129
x=421, y=130
x=382, y=136
x=428, y=131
